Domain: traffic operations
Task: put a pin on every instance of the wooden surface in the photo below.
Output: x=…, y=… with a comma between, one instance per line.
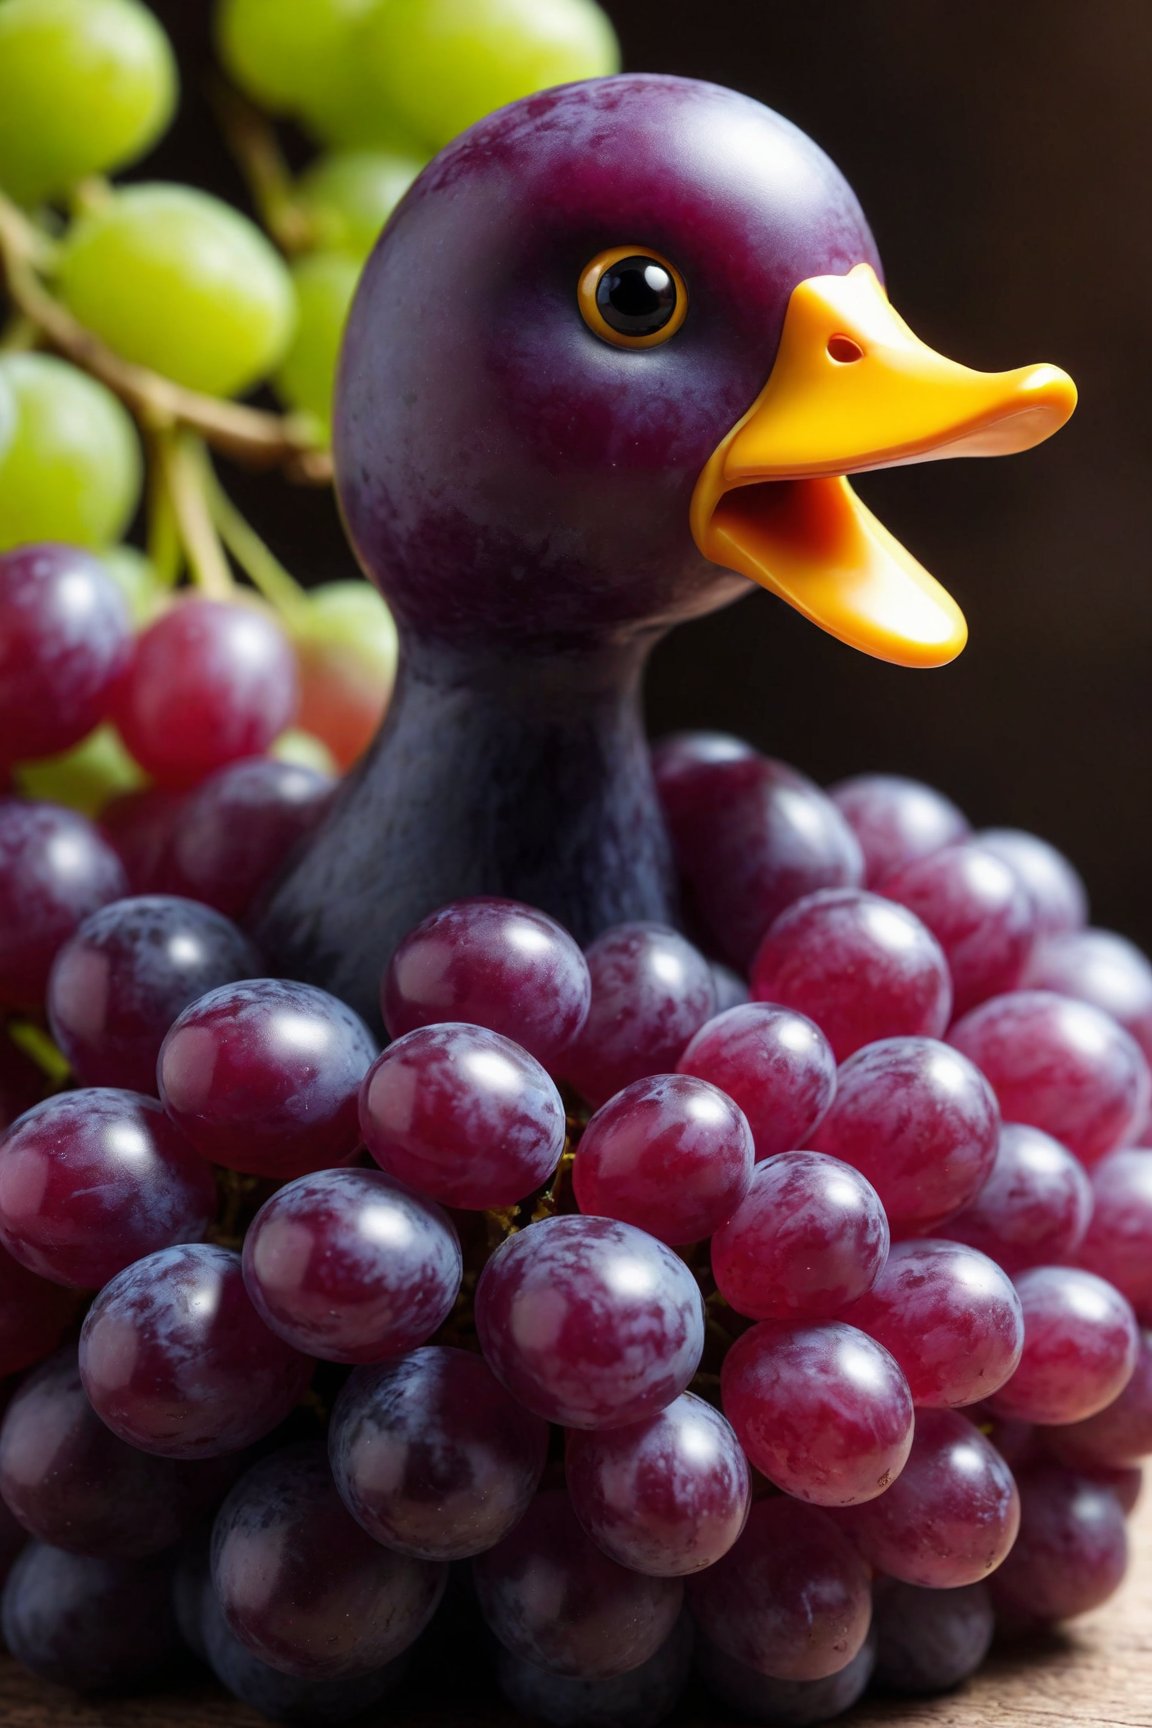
x=1098, y=1674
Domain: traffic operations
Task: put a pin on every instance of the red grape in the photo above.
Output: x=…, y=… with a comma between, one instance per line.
x=784, y=1703
x=1080, y=1347
x=91, y=1625
x=1118, y=1242
x=1071, y=1553
x=141, y=827
x=682, y=759
x=55, y=868
x=640, y=1698
x=235, y=833
x=776, y=1065
x=1033, y=1209
x=1120, y=1435
x=930, y=1640
x=1100, y=967
x=1058, y=896
x=979, y=913
x=896, y=820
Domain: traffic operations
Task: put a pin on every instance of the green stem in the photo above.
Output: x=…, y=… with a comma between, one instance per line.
x=181, y=459
x=19, y=335
x=39, y=1046
x=255, y=558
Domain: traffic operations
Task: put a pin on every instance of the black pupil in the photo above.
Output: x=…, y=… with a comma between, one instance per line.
x=636, y=296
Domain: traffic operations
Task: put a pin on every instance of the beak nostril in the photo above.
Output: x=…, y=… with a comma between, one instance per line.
x=844, y=349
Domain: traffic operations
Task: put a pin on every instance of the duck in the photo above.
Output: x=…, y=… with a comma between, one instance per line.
x=611, y=366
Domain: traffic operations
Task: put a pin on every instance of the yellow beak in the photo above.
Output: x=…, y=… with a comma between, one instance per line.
x=852, y=389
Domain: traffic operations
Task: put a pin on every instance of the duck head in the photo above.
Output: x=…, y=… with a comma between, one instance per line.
x=617, y=353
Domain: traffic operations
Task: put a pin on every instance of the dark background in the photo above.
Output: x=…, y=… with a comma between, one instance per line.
x=1001, y=151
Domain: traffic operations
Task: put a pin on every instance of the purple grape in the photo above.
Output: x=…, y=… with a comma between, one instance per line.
x=34, y=1315
x=776, y=1065
x=92, y=1180
x=1071, y=1553
x=121, y=980
x=236, y=832
x=951, y=1515
x=263, y=1076
x=641, y=1698
x=493, y=963
x=1058, y=895
x=751, y=836
x=671, y=1154
x=949, y=1316
x=55, y=868
x=1123, y=1481
x=141, y=827
x=431, y=1455
x=1059, y=1065
x=91, y=1625
x=920, y=1122
x=1118, y=1241
x=681, y=760
x=651, y=992
x=861, y=967
x=1080, y=1347
x=1118, y=1436
x=783, y=1703
x=74, y=1485
x=823, y=1411
x=348, y=1266
x=978, y=911
x=1034, y=1208
x=464, y=1115
x=791, y=1599
x=1102, y=968
x=665, y=1497
x=176, y=1360
x=809, y=1237
x=302, y=1586
x=930, y=1640
x=65, y=637
x=554, y=1600
x=588, y=1322
x=896, y=821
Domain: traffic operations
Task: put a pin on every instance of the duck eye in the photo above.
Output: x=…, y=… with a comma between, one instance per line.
x=632, y=299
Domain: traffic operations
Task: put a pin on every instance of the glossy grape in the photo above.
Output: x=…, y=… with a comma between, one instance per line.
x=651, y=992
x=199, y=294
x=55, y=868
x=347, y=649
x=237, y=830
x=91, y=1625
x=64, y=640
x=1102, y=968
x=1059, y=1065
x=323, y=284
x=776, y=1065
x=978, y=911
x=85, y=86
x=1033, y=1209
x=1080, y=1347
x=94, y=1179
x=641, y=1698
x=431, y=1455
x=667, y=1496
x=930, y=1640
x=861, y=967
x=263, y=1076
x=784, y=1703
x=71, y=470
x=897, y=821
x=951, y=1515
x=176, y=1360
x=299, y=1582
x=590, y=1323
x=920, y=1122
x=348, y=1266
x=34, y=1315
x=492, y=963
x=1058, y=895
x=823, y=1411
x=791, y=1599
x=671, y=1154
x=74, y=1485
x=462, y=1114
x=553, y=1599
x=117, y=985
x=1118, y=1241
x=348, y=196
x=809, y=1237
x=290, y=56
x=1118, y=1436
x=141, y=826
x=210, y=683
x=1071, y=1553
x=681, y=762
x=949, y=1316
x=751, y=836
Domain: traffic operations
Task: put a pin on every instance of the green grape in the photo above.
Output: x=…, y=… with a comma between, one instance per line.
x=180, y=282
x=85, y=777
x=71, y=470
x=349, y=196
x=445, y=63
x=284, y=52
x=302, y=750
x=85, y=86
x=325, y=283
x=144, y=593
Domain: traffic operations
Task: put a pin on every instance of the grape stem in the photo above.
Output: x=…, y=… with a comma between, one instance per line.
x=248, y=435
x=257, y=560
x=36, y=1043
x=180, y=463
x=256, y=151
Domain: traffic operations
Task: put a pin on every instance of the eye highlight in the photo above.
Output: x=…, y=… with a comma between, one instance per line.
x=631, y=298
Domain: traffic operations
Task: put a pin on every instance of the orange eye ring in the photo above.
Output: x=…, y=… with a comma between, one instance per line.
x=641, y=305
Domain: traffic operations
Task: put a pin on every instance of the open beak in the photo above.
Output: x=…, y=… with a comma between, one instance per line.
x=852, y=389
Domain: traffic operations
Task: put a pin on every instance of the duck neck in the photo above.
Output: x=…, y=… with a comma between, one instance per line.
x=525, y=775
